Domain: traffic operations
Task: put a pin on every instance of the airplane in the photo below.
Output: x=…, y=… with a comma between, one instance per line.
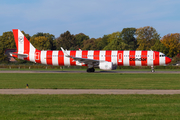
x=102, y=59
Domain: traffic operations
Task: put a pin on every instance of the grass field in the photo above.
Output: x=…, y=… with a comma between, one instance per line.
x=39, y=107
x=89, y=81
x=53, y=107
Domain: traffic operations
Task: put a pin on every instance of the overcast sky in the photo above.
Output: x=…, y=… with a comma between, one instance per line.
x=94, y=18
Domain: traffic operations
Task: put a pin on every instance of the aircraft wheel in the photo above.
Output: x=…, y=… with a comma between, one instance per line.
x=90, y=70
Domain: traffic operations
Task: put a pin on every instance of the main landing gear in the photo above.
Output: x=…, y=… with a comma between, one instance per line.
x=152, y=69
x=90, y=70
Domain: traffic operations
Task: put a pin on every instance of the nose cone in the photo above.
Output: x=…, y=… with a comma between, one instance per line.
x=168, y=60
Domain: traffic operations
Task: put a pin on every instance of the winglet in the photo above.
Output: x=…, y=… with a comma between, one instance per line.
x=65, y=52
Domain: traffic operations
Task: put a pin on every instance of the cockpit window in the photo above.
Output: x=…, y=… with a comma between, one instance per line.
x=162, y=55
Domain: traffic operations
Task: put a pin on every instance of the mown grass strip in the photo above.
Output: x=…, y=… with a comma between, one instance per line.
x=89, y=107
x=89, y=81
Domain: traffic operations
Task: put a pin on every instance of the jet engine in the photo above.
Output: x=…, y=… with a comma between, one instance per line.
x=107, y=66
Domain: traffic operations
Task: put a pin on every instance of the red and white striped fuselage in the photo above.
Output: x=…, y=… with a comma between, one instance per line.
x=119, y=58
x=104, y=59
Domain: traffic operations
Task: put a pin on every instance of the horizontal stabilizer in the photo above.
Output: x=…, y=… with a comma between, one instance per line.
x=18, y=54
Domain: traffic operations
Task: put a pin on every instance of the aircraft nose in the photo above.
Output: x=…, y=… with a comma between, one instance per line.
x=168, y=60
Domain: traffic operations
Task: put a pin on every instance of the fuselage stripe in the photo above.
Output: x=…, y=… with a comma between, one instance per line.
x=144, y=57
x=61, y=58
x=108, y=55
x=73, y=54
x=49, y=57
x=132, y=58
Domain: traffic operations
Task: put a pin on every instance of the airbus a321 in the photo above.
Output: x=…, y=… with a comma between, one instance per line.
x=102, y=59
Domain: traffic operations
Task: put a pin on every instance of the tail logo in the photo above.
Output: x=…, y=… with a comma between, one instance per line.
x=20, y=39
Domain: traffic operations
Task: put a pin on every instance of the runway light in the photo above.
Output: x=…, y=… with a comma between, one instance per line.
x=27, y=86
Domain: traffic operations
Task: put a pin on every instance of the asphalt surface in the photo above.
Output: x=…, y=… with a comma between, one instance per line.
x=31, y=71
x=86, y=91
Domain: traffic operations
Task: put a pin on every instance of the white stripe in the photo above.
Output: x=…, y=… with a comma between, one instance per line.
x=161, y=59
x=90, y=54
x=78, y=54
x=102, y=55
x=126, y=58
x=32, y=56
x=55, y=58
x=150, y=58
x=138, y=55
x=114, y=57
x=67, y=59
x=32, y=49
x=43, y=57
x=20, y=42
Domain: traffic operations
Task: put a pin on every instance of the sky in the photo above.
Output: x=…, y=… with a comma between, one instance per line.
x=94, y=18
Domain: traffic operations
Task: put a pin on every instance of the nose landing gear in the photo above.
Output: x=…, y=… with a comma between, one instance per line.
x=152, y=69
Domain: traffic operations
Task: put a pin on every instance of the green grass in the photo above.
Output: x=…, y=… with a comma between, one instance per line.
x=89, y=81
x=39, y=107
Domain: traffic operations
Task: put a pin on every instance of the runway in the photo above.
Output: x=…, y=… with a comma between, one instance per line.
x=80, y=71
x=86, y=91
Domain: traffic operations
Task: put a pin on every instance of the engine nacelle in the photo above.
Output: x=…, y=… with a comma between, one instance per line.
x=107, y=66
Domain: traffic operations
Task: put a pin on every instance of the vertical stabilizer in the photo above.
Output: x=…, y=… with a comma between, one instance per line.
x=22, y=43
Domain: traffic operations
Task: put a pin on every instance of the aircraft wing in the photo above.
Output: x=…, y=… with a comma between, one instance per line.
x=81, y=60
x=85, y=60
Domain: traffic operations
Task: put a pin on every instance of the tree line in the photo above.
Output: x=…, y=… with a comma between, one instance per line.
x=144, y=38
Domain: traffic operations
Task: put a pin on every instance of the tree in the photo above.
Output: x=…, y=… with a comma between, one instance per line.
x=102, y=42
x=116, y=44
x=127, y=35
x=6, y=42
x=79, y=38
x=113, y=36
x=46, y=41
x=158, y=46
x=146, y=37
x=89, y=44
x=66, y=40
x=41, y=43
x=172, y=42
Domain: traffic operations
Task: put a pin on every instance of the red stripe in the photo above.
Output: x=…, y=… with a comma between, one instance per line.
x=120, y=55
x=49, y=57
x=108, y=55
x=156, y=58
x=26, y=48
x=73, y=54
x=84, y=55
x=144, y=58
x=61, y=58
x=15, y=32
x=96, y=54
x=132, y=58
x=38, y=56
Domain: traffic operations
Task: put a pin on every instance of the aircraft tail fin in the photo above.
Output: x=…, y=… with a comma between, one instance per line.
x=22, y=43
